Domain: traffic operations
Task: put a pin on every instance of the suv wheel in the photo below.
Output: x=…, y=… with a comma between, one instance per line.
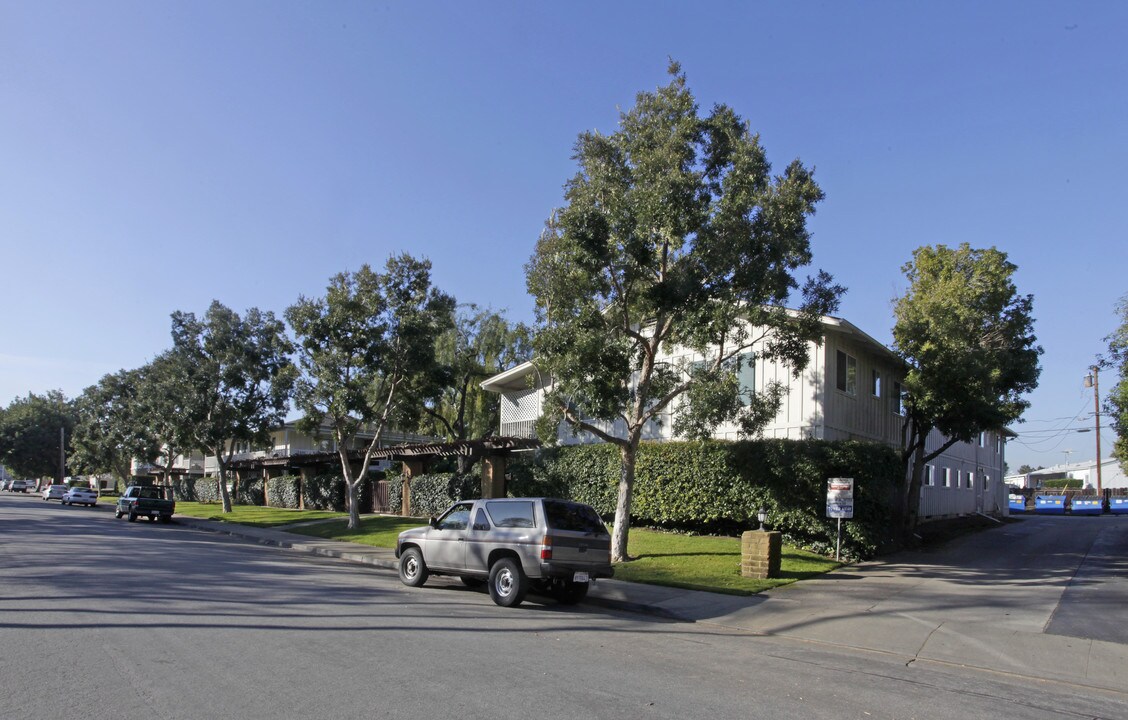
x=412, y=569
x=508, y=584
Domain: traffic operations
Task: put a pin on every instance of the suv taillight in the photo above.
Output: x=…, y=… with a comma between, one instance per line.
x=546, y=548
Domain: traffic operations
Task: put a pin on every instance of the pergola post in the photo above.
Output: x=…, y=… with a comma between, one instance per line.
x=493, y=476
x=411, y=468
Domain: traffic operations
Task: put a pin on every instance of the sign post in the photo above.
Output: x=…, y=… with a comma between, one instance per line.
x=839, y=504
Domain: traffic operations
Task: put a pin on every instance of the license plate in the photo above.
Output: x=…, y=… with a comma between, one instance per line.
x=580, y=577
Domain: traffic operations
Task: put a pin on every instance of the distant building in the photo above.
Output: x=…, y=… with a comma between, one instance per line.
x=1112, y=475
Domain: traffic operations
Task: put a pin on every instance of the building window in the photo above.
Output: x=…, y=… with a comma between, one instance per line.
x=875, y=383
x=971, y=480
x=959, y=478
x=999, y=444
x=987, y=483
x=947, y=477
x=982, y=439
x=746, y=378
x=846, y=373
x=929, y=475
x=898, y=399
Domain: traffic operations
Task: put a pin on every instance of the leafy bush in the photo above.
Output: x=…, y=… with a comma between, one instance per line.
x=433, y=493
x=284, y=491
x=1062, y=484
x=195, y=489
x=249, y=492
x=717, y=486
x=323, y=492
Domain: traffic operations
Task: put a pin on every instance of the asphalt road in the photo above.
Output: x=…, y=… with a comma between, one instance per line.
x=100, y=618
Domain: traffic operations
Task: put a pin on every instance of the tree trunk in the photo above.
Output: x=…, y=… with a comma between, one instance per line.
x=224, y=496
x=910, y=509
x=352, y=495
x=627, y=454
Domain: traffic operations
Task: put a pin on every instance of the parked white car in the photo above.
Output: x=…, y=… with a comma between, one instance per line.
x=54, y=492
x=80, y=496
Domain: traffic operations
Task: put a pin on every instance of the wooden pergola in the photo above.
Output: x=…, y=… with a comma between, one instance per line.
x=492, y=451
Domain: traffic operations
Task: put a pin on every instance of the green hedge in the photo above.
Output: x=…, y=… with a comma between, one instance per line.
x=323, y=492
x=433, y=492
x=249, y=492
x=196, y=489
x=717, y=486
x=284, y=491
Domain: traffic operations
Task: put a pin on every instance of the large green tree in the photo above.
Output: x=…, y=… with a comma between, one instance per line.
x=163, y=394
x=30, y=432
x=967, y=338
x=238, y=380
x=111, y=430
x=479, y=343
x=674, y=234
x=367, y=352
x=1116, y=402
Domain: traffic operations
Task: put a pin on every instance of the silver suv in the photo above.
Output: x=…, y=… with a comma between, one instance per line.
x=550, y=546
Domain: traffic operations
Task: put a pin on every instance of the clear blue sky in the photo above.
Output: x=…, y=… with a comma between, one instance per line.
x=157, y=155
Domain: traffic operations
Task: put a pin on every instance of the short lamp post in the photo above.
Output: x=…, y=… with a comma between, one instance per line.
x=760, y=550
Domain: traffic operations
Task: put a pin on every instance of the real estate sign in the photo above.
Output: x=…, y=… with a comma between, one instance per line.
x=840, y=498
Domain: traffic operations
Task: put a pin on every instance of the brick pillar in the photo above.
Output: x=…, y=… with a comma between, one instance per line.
x=760, y=554
x=493, y=476
x=411, y=468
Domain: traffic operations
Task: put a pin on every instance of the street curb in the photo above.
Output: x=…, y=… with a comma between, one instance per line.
x=369, y=559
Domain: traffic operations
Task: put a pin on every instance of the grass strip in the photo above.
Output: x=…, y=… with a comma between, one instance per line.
x=253, y=515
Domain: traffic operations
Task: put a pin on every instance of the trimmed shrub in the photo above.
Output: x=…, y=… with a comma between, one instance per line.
x=249, y=492
x=196, y=489
x=324, y=492
x=717, y=486
x=284, y=491
x=433, y=493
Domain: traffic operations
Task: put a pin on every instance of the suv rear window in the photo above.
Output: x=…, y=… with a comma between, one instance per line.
x=511, y=514
x=573, y=517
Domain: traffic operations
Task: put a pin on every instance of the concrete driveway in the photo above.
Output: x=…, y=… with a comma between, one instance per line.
x=1041, y=597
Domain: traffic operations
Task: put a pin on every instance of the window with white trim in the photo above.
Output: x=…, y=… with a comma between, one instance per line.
x=875, y=383
x=846, y=373
x=897, y=399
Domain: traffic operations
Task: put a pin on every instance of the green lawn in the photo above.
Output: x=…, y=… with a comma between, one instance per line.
x=693, y=562
x=378, y=531
x=252, y=514
x=708, y=563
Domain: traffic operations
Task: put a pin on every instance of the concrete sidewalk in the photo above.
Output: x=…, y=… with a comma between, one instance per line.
x=874, y=606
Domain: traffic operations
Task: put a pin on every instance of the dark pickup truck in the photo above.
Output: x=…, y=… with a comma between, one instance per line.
x=145, y=500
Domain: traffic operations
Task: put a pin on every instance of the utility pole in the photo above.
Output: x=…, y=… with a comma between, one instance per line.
x=62, y=455
x=1097, y=415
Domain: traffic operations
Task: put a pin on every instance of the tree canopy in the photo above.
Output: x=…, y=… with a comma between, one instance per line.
x=30, y=434
x=111, y=429
x=967, y=338
x=237, y=377
x=674, y=233
x=363, y=348
x=1116, y=404
x=477, y=344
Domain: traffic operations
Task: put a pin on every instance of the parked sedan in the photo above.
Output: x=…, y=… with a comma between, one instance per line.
x=17, y=486
x=80, y=496
x=54, y=492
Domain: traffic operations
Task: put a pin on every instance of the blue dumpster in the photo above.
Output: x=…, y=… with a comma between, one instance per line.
x=1087, y=505
x=1049, y=504
x=1118, y=505
x=1018, y=503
